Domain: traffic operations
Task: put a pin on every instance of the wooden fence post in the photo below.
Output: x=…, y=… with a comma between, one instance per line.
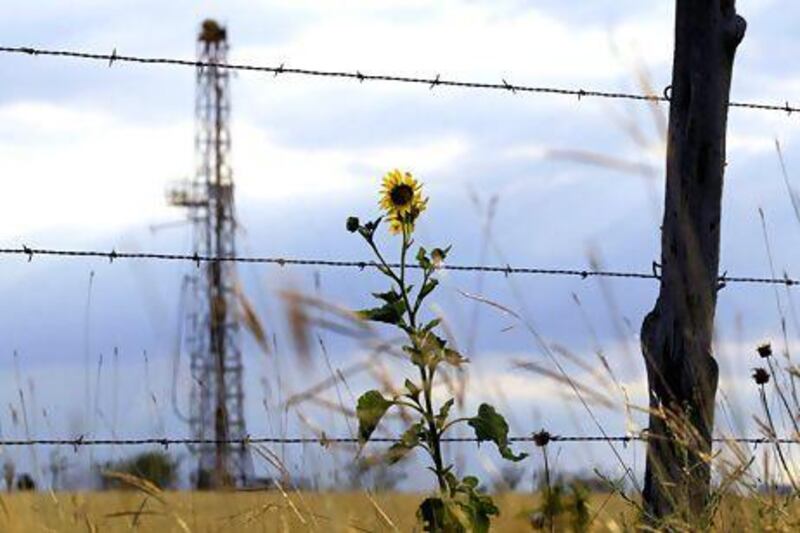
x=676, y=335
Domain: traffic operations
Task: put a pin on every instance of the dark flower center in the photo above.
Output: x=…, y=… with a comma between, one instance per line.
x=402, y=195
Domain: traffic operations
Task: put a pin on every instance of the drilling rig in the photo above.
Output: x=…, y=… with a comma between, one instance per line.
x=216, y=410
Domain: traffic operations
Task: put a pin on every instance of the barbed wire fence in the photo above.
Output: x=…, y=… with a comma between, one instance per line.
x=541, y=438
x=507, y=270
x=358, y=75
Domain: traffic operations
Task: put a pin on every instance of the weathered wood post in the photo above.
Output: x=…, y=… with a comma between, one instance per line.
x=676, y=335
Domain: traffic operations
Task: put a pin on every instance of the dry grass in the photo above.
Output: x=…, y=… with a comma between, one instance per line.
x=249, y=511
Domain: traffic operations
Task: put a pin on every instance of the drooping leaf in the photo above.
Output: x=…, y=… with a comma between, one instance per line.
x=490, y=425
x=370, y=409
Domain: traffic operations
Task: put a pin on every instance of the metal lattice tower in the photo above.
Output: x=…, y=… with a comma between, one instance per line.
x=217, y=396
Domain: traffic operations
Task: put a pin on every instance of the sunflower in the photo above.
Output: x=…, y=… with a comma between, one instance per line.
x=401, y=199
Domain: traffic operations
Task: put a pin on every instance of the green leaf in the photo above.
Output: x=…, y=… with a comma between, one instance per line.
x=466, y=510
x=413, y=390
x=478, y=507
x=370, y=409
x=389, y=297
x=454, y=358
x=431, y=513
x=390, y=313
x=409, y=440
x=422, y=259
x=444, y=515
x=428, y=349
x=471, y=482
x=432, y=324
x=427, y=288
x=444, y=412
x=490, y=425
x=430, y=342
x=417, y=357
x=451, y=479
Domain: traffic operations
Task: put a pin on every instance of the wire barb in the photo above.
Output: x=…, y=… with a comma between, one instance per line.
x=540, y=438
x=506, y=270
x=394, y=78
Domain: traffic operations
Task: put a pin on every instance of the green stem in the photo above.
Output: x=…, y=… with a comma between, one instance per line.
x=434, y=435
x=412, y=406
x=425, y=277
x=433, y=446
x=384, y=264
x=412, y=318
x=453, y=423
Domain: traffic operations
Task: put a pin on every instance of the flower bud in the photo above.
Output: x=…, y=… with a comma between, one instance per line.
x=542, y=438
x=760, y=376
x=437, y=256
x=353, y=224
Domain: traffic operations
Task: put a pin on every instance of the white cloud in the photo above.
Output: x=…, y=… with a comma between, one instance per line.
x=267, y=170
x=458, y=39
x=90, y=172
x=76, y=169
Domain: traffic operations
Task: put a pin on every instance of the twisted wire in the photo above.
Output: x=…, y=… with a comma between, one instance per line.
x=324, y=441
x=113, y=255
x=430, y=82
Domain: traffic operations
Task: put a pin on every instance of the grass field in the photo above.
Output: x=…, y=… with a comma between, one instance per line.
x=115, y=511
x=268, y=511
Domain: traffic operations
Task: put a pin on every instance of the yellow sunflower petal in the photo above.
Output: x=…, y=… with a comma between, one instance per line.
x=401, y=199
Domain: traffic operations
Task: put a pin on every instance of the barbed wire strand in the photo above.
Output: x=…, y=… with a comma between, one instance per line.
x=432, y=83
x=323, y=441
x=113, y=255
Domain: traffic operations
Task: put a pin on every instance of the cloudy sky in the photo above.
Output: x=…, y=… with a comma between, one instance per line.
x=87, y=153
